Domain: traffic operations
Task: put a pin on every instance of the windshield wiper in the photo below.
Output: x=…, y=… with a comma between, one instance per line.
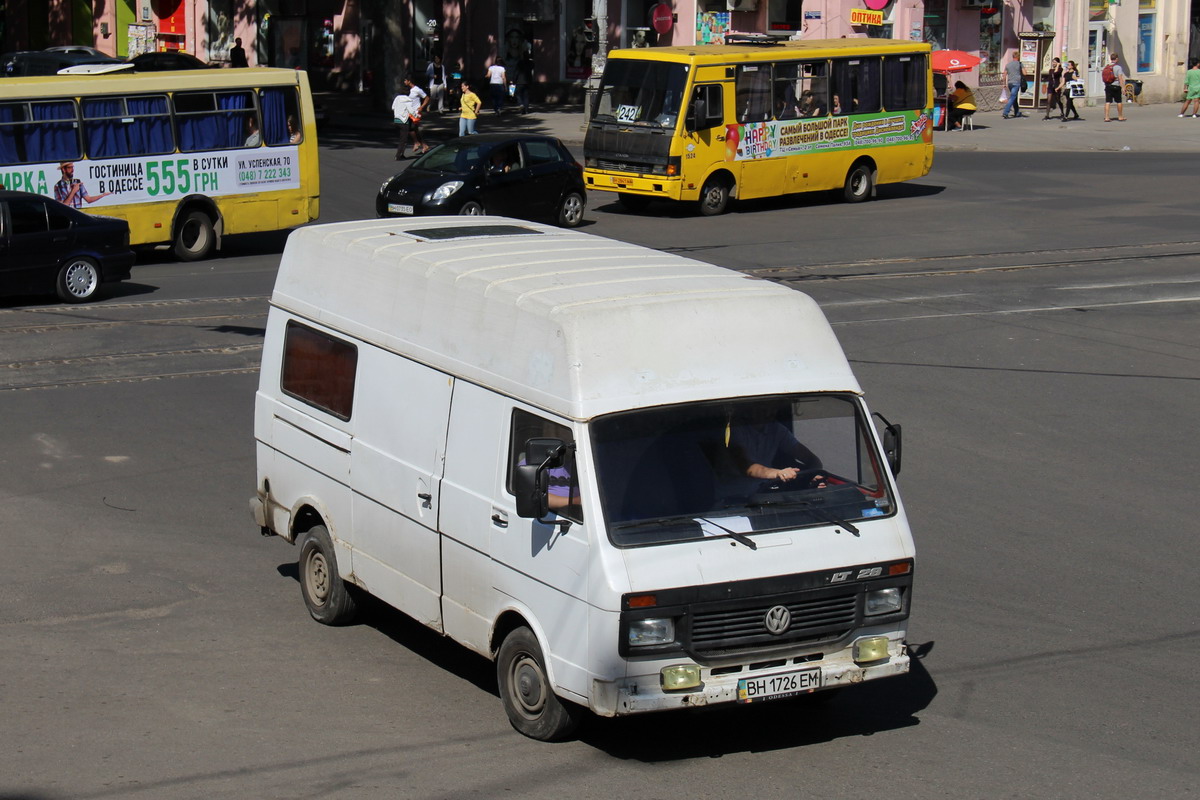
x=811, y=505
x=677, y=518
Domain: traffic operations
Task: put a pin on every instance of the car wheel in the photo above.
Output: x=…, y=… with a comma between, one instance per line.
x=634, y=202
x=570, y=212
x=325, y=593
x=78, y=280
x=471, y=208
x=194, y=236
x=860, y=183
x=714, y=197
x=530, y=702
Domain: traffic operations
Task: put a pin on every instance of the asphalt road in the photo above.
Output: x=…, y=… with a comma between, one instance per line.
x=1032, y=326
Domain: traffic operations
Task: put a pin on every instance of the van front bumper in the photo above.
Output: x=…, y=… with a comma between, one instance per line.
x=643, y=693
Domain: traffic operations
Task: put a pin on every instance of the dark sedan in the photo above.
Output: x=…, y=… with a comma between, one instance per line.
x=164, y=61
x=510, y=175
x=47, y=247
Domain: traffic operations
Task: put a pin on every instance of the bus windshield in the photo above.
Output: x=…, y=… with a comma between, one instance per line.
x=737, y=467
x=641, y=92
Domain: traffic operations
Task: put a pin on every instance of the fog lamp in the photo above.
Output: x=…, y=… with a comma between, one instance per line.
x=680, y=676
x=871, y=648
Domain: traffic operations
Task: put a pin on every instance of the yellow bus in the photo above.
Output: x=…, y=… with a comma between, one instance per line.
x=714, y=122
x=184, y=157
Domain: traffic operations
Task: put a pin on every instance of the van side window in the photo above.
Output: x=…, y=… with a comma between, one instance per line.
x=319, y=370
x=564, y=480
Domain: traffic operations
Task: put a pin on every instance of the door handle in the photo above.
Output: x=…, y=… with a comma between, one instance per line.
x=500, y=519
x=426, y=499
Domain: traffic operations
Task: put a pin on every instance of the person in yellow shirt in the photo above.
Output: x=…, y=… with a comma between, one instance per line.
x=469, y=110
x=962, y=104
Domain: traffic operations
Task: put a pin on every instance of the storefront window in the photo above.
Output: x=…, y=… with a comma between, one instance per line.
x=1146, y=24
x=991, y=26
x=934, y=30
x=785, y=15
x=1042, y=16
x=1097, y=10
x=581, y=40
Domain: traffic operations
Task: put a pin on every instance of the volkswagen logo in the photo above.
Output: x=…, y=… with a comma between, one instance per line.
x=777, y=620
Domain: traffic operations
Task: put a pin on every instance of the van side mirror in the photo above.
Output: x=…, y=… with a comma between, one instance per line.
x=531, y=481
x=893, y=444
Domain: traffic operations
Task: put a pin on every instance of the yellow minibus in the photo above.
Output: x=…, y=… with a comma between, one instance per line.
x=713, y=122
x=185, y=157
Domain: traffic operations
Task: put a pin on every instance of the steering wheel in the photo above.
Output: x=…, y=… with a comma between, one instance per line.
x=803, y=480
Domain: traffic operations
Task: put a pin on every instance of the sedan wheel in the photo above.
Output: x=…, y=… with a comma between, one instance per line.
x=471, y=208
x=570, y=213
x=78, y=280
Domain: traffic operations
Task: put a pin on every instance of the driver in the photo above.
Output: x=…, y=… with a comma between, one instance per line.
x=759, y=442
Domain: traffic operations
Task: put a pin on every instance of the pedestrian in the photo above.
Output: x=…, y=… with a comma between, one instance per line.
x=497, y=84
x=524, y=80
x=1113, y=77
x=237, y=55
x=469, y=110
x=1014, y=76
x=1191, y=83
x=407, y=109
x=1054, y=89
x=435, y=75
x=1070, y=80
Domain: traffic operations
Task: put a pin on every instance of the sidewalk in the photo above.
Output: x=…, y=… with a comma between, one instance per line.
x=1148, y=128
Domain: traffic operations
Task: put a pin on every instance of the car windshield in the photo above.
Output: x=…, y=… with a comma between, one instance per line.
x=454, y=157
x=737, y=467
x=645, y=92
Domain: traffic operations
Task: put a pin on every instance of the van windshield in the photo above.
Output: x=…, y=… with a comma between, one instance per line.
x=737, y=467
x=646, y=92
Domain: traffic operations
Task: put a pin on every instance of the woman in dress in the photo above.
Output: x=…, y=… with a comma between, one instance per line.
x=1054, y=89
x=1071, y=73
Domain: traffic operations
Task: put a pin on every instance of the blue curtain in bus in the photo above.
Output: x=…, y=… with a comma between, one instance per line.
x=8, y=134
x=104, y=138
x=151, y=131
x=54, y=139
x=200, y=132
x=274, y=111
x=234, y=124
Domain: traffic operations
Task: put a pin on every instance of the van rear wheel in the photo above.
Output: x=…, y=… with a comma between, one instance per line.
x=325, y=593
x=529, y=700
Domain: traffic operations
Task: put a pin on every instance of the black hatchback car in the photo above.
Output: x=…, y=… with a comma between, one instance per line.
x=510, y=175
x=47, y=247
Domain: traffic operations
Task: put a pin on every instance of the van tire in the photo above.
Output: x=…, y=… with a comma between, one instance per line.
x=530, y=702
x=471, y=208
x=325, y=593
x=860, y=183
x=570, y=211
x=714, y=197
x=194, y=236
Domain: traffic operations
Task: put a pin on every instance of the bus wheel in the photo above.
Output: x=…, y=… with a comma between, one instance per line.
x=633, y=202
x=78, y=280
x=325, y=593
x=530, y=702
x=714, y=197
x=194, y=236
x=860, y=183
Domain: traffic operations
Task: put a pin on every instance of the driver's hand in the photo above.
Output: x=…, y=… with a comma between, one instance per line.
x=786, y=474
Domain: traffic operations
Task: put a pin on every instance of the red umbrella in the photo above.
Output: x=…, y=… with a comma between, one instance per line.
x=947, y=61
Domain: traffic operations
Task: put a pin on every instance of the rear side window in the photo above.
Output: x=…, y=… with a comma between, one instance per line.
x=27, y=216
x=542, y=153
x=319, y=369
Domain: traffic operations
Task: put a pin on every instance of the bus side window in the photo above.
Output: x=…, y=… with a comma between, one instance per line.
x=281, y=116
x=706, y=108
x=904, y=81
x=856, y=86
x=38, y=131
x=754, y=93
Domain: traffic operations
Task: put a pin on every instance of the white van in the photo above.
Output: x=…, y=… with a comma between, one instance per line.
x=634, y=480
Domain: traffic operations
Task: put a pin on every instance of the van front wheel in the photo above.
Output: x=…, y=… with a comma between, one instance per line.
x=325, y=593
x=529, y=700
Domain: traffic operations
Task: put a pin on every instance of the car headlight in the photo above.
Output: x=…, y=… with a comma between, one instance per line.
x=883, y=601
x=384, y=186
x=445, y=190
x=652, y=631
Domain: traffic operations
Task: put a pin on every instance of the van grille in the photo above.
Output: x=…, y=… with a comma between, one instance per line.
x=730, y=629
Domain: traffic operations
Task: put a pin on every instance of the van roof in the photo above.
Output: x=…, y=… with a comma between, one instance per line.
x=570, y=322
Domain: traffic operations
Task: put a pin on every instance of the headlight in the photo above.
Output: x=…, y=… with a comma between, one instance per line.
x=650, y=632
x=446, y=189
x=883, y=601
x=384, y=186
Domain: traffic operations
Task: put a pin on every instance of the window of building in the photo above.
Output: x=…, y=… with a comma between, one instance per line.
x=564, y=480
x=319, y=369
x=1097, y=10
x=785, y=15
x=1147, y=20
x=991, y=28
x=1041, y=16
x=934, y=30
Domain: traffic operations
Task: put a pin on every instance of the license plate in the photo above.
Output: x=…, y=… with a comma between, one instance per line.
x=773, y=687
x=623, y=181
x=399, y=208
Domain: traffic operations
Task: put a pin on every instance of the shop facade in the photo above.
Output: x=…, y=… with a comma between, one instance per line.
x=369, y=45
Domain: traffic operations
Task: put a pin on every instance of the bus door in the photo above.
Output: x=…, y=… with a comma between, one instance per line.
x=704, y=133
x=758, y=168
